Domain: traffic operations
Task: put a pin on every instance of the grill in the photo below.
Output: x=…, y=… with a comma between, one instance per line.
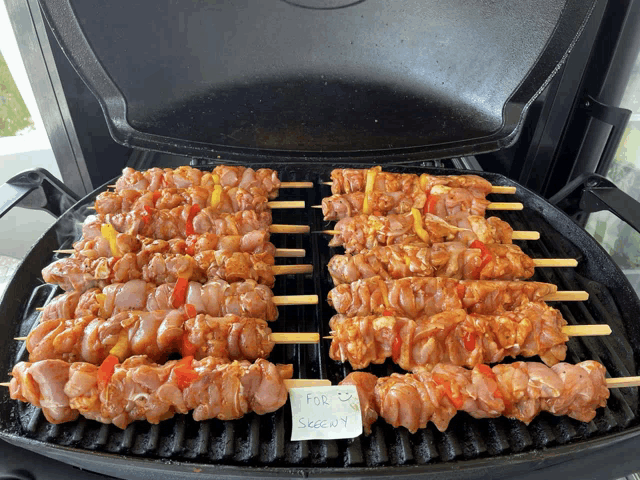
x=180, y=446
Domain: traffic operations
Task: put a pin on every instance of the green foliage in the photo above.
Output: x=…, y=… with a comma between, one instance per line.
x=14, y=115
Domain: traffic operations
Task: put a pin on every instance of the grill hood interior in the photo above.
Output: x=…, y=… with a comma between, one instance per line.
x=294, y=78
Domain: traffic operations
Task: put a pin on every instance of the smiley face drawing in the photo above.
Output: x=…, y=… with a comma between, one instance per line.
x=345, y=396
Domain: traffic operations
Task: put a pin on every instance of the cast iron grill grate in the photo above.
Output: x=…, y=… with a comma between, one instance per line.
x=262, y=441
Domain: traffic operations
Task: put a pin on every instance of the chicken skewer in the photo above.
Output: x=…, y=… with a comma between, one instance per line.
x=454, y=337
x=220, y=199
x=76, y=273
x=181, y=222
x=450, y=259
x=102, y=240
x=520, y=390
x=414, y=297
x=138, y=389
x=185, y=176
x=445, y=203
x=349, y=180
x=365, y=232
x=156, y=334
x=216, y=298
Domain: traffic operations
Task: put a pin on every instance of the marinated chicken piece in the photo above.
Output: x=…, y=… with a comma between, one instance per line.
x=349, y=180
x=184, y=177
x=42, y=384
x=415, y=297
x=453, y=337
x=519, y=390
x=364, y=232
x=181, y=222
x=441, y=201
x=216, y=298
x=141, y=390
x=256, y=241
x=76, y=273
x=227, y=200
x=450, y=259
x=62, y=306
x=154, y=334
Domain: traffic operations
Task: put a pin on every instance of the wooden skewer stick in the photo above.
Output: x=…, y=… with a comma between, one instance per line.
x=491, y=206
x=296, y=184
x=291, y=269
x=289, y=228
x=274, y=204
x=280, y=252
x=294, y=337
x=555, y=262
x=306, y=382
x=570, y=330
x=586, y=330
x=282, y=185
x=290, y=383
x=286, y=338
x=505, y=206
x=567, y=296
x=623, y=382
x=290, y=252
x=516, y=235
x=494, y=188
x=279, y=300
x=525, y=235
x=295, y=300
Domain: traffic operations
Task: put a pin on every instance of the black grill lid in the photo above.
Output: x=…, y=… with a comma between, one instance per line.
x=370, y=78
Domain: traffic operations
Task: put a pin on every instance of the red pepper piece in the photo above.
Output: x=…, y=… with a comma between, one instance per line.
x=486, y=256
x=193, y=211
x=396, y=348
x=188, y=348
x=460, y=290
x=156, y=196
x=190, y=310
x=432, y=204
x=486, y=370
x=469, y=341
x=457, y=401
x=387, y=313
x=185, y=375
x=179, y=294
x=106, y=369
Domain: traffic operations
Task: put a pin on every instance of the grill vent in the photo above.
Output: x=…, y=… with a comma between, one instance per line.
x=263, y=440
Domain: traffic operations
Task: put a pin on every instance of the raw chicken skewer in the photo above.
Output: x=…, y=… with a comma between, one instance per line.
x=156, y=334
x=361, y=233
x=349, y=180
x=519, y=390
x=76, y=273
x=449, y=259
x=414, y=297
x=455, y=337
x=216, y=298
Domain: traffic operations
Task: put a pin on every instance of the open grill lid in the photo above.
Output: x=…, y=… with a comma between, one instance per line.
x=274, y=79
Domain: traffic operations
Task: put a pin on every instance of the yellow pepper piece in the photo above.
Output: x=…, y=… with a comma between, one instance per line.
x=371, y=179
x=101, y=298
x=417, y=225
x=216, y=195
x=121, y=346
x=424, y=178
x=110, y=233
x=216, y=178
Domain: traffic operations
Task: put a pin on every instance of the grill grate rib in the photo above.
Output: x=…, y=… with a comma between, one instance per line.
x=263, y=441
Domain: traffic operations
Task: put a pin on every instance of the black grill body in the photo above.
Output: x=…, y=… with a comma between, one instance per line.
x=259, y=445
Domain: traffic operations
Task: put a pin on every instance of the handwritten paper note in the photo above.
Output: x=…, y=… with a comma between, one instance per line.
x=324, y=413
